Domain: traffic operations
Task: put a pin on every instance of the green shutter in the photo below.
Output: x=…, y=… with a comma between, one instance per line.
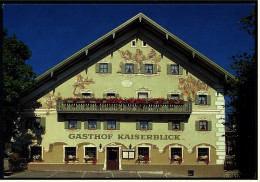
x=98, y=125
x=208, y=99
x=138, y=125
x=209, y=125
x=150, y=125
x=168, y=69
x=117, y=95
x=142, y=68
x=135, y=68
x=123, y=68
x=181, y=96
x=197, y=125
x=109, y=69
x=97, y=67
x=196, y=99
x=78, y=124
x=42, y=123
x=154, y=68
x=117, y=125
x=79, y=95
x=66, y=124
x=92, y=95
x=182, y=126
x=104, y=95
x=105, y=125
x=86, y=125
x=169, y=96
x=180, y=70
x=169, y=125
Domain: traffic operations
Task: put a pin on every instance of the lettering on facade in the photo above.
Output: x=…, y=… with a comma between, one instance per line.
x=124, y=137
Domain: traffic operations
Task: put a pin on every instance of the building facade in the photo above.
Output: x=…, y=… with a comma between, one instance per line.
x=138, y=98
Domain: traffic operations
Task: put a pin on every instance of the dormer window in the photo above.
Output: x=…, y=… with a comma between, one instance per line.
x=144, y=44
x=142, y=95
x=133, y=43
x=175, y=96
x=86, y=95
x=111, y=95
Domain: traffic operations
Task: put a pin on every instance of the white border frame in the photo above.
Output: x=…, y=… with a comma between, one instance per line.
x=176, y=146
x=144, y=145
x=202, y=146
x=84, y=151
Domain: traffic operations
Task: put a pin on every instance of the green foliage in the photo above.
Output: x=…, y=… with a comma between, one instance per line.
x=248, y=23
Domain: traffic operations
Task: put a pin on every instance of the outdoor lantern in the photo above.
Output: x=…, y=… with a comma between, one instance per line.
x=100, y=146
x=130, y=146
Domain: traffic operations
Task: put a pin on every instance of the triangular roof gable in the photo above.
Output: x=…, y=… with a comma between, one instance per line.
x=139, y=18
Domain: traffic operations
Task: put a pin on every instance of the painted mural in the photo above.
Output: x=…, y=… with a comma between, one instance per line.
x=50, y=100
x=190, y=86
x=139, y=58
x=80, y=83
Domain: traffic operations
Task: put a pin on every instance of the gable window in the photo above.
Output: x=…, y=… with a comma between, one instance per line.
x=92, y=125
x=129, y=68
x=203, y=99
x=203, y=154
x=174, y=69
x=111, y=95
x=175, y=96
x=149, y=69
x=144, y=125
x=111, y=125
x=203, y=125
x=142, y=95
x=176, y=153
x=144, y=44
x=176, y=125
x=86, y=95
x=70, y=153
x=133, y=43
x=90, y=153
x=103, y=68
x=72, y=124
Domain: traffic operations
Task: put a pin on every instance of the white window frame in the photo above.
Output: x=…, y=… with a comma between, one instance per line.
x=35, y=146
x=132, y=43
x=176, y=146
x=143, y=43
x=141, y=92
x=84, y=151
x=140, y=146
x=64, y=146
x=202, y=146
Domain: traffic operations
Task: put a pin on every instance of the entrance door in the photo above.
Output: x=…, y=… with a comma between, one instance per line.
x=112, y=158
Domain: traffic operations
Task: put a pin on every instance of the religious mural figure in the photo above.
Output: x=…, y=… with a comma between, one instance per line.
x=138, y=58
x=80, y=83
x=190, y=86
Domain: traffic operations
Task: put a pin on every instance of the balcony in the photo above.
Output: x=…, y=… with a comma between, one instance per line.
x=123, y=108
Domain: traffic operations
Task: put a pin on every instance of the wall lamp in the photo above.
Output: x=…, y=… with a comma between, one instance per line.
x=100, y=146
x=130, y=146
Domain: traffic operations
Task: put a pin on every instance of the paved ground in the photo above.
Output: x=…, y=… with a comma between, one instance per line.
x=93, y=174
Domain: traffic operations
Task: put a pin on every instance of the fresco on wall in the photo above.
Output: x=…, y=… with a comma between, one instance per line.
x=139, y=58
x=80, y=83
x=50, y=100
x=190, y=86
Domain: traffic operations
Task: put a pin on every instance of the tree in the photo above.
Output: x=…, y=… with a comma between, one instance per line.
x=243, y=113
x=16, y=77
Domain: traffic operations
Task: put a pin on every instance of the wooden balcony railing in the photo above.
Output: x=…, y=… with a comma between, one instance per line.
x=81, y=107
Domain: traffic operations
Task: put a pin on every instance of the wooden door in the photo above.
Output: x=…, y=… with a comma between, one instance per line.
x=112, y=158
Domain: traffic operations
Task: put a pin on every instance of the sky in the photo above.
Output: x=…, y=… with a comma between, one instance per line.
x=55, y=32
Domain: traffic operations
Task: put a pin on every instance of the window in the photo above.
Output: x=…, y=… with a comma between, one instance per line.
x=103, y=68
x=86, y=95
x=143, y=151
x=144, y=44
x=174, y=69
x=36, y=152
x=149, y=68
x=33, y=123
x=72, y=124
x=70, y=152
x=90, y=153
x=203, y=125
x=133, y=43
x=175, y=96
x=129, y=68
x=111, y=125
x=203, y=153
x=92, y=125
x=144, y=125
x=142, y=95
x=176, y=125
x=203, y=99
x=176, y=153
x=111, y=95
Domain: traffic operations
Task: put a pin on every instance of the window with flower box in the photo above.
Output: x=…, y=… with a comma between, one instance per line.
x=70, y=154
x=176, y=125
x=90, y=154
x=203, y=125
x=175, y=96
x=142, y=95
x=143, y=154
x=36, y=153
x=176, y=154
x=203, y=154
x=110, y=95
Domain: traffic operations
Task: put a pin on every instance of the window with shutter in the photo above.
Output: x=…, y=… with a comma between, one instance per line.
x=138, y=125
x=98, y=125
x=154, y=68
x=92, y=125
x=85, y=125
x=105, y=125
x=103, y=68
x=129, y=68
x=109, y=68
